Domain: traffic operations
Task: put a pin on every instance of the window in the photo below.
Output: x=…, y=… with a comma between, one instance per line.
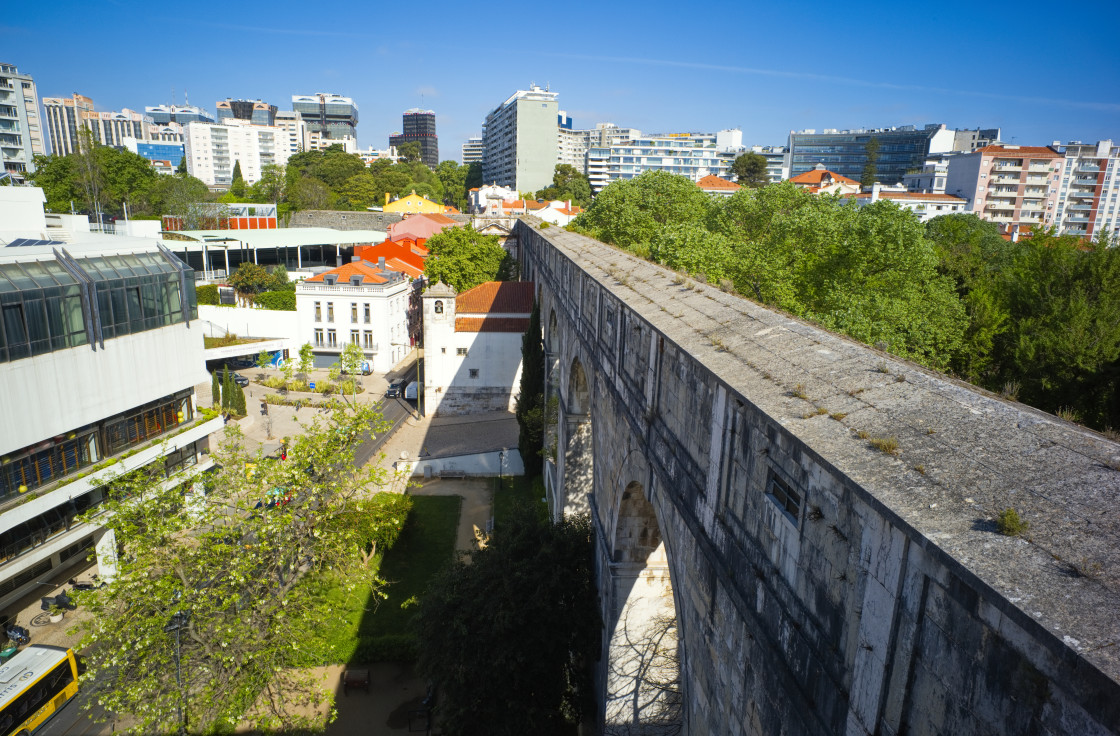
x=330, y=311
x=443, y=350
x=353, y=312
x=318, y=338
x=367, y=314
x=460, y=351
x=354, y=337
x=474, y=373
x=318, y=311
x=439, y=307
x=332, y=339
x=367, y=340
x=785, y=497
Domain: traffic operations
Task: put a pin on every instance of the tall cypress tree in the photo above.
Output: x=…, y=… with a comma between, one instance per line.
x=530, y=400
x=870, y=174
x=215, y=390
x=227, y=389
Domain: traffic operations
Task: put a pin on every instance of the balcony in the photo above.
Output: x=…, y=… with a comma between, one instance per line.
x=1005, y=179
x=1007, y=167
x=1082, y=194
x=1085, y=180
x=1077, y=218
x=1088, y=169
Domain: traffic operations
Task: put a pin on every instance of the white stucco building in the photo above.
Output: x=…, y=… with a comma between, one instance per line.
x=212, y=150
x=472, y=346
x=360, y=302
x=926, y=205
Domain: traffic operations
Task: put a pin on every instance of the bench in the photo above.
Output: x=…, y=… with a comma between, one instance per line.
x=452, y=473
x=355, y=678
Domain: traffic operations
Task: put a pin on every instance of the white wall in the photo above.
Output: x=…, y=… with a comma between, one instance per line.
x=483, y=464
x=21, y=209
x=249, y=322
x=55, y=393
x=388, y=319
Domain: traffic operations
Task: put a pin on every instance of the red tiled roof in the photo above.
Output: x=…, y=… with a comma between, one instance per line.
x=505, y=297
x=436, y=218
x=397, y=264
x=1032, y=151
x=714, y=182
x=816, y=176
x=370, y=271
x=527, y=204
x=491, y=324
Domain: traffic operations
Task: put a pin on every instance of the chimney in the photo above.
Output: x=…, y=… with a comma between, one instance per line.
x=381, y=262
x=875, y=189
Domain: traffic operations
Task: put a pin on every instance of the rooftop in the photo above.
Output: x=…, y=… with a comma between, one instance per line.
x=497, y=297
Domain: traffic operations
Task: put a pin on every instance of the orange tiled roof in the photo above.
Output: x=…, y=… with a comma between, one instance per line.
x=449, y=210
x=370, y=271
x=436, y=218
x=491, y=324
x=397, y=264
x=816, y=176
x=527, y=204
x=714, y=182
x=508, y=297
x=1032, y=151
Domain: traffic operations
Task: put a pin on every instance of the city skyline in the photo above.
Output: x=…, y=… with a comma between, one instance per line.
x=660, y=70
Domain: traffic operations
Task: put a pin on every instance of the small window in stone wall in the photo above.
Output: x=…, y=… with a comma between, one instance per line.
x=473, y=372
x=788, y=500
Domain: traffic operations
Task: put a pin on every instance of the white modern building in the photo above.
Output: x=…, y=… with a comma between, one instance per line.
x=777, y=161
x=360, y=302
x=931, y=177
x=213, y=149
x=472, y=346
x=21, y=129
x=331, y=117
x=320, y=141
x=488, y=198
x=87, y=387
x=925, y=205
x=67, y=116
x=694, y=155
x=295, y=131
x=520, y=140
x=472, y=151
x=1090, y=187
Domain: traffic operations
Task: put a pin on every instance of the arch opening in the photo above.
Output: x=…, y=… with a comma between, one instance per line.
x=577, y=440
x=642, y=680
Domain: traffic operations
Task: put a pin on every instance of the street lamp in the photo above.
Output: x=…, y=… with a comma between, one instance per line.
x=501, y=464
x=178, y=622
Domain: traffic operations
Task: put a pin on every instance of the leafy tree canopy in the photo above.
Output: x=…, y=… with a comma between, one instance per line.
x=568, y=183
x=464, y=258
x=750, y=170
x=250, y=279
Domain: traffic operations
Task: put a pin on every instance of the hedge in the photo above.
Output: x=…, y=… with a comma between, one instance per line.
x=284, y=301
x=207, y=294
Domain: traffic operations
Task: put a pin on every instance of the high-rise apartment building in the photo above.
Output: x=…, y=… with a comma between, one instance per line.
x=333, y=117
x=21, y=129
x=212, y=150
x=968, y=141
x=845, y=152
x=694, y=155
x=1090, y=187
x=472, y=151
x=111, y=128
x=252, y=111
x=64, y=119
x=181, y=114
x=1013, y=186
x=520, y=140
x=419, y=126
x=291, y=122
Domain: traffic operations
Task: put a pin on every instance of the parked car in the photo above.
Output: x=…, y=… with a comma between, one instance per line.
x=410, y=391
x=240, y=380
x=394, y=390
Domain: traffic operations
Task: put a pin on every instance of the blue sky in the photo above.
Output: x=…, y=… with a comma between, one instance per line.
x=1043, y=72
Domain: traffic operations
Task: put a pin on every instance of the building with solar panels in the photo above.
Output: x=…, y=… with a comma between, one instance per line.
x=100, y=350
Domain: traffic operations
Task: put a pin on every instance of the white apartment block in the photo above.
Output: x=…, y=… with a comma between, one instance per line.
x=777, y=161
x=212, y=150
x=318, y=141
x=1013, y=186
x=520, y=140
x=694, y=155
x=1090, y=187
x=923, y=204
x=472, y=151
x=66, y=116
x=359, y=302
x=21, y=129
x=88, y=329
x=930, y=178
x=572, y=148
x=295, y=130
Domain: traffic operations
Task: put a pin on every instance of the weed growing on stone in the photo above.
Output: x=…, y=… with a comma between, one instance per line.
x=815, y=514
x=798, y=392
x=882, y=368
x=1069, y=414
x=856, y=391
x=837, y=415
x=1010, y=390
x=900, y=378
x=931, y=430
x=920, y=468
x=678, y=279
x=888, y=445
x=862, y=435
x=815, y=413
x=1010, y=524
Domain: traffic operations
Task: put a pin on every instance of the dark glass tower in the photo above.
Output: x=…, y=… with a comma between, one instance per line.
x=420, y=126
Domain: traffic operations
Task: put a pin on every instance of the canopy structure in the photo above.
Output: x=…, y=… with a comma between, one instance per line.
x=273, y=244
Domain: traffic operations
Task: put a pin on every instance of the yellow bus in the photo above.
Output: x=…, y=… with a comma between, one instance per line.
x=34, y=685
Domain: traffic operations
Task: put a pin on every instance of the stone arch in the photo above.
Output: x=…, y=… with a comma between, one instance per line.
x=642, y=681
x=552, y=337
x=579, y=395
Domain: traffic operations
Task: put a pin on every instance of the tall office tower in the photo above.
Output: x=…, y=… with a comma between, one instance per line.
x=472, y=151
x=111, y=128
x=55, y=465
x=21, y=130
x=253, y=111
x=292, y=124
x=520, y=140
x=845, y=152
x=64, y=118
x=181, y=114
x=420, y=127
x=1087, y=198
x=333, y=117
x=213, y=150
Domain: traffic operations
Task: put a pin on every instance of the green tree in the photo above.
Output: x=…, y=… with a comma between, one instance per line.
x=238, y=400
x=279, y=301
x=57, y=176
x=474, y=175
x=215, y=390
x=250, y=579
x=750, y=170
x=207, y=294
x=530, y=397
x=409, y=151
x=350, y=363
x=306, y=360
x=870, y=175
x=227, y=389
x=533, y=641
x=308, y=193
x=359, y=192
x=181, y=196
x=271, y=186
x=181, y=169
x=454, y=179
x=237, y=186
x=264, y=358
x=464, y=258
x=629, y=212
x=250, y=279
x=568, y=183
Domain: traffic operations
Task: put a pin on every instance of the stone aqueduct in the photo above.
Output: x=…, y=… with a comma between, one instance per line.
x=811, y=520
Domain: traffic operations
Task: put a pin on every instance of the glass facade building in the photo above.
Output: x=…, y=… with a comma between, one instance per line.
x=419, y=127
x=255, y=111
x=845, y=152
x=332, y=116
x=172, y=152
x=181, y=114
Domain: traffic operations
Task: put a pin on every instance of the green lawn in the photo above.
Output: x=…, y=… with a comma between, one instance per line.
x=518, y=489
x=366, y=630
